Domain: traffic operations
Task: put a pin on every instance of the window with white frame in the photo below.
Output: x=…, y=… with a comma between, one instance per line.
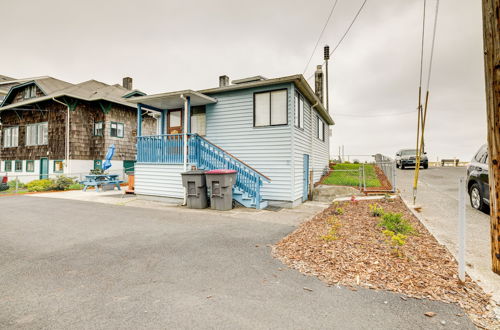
x=271, y=108
x=98, y=128
x=10, y=136
x=299, y=111
x=37, y=134
x=320, y=129
x=198, y=121
x=116, y=129
x=30, y=92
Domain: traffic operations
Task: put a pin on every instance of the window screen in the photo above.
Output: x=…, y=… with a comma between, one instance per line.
x=262, y=109
x=278, y=108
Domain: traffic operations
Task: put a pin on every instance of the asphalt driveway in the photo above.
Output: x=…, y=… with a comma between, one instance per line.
x=69, y=264
x=438, y=196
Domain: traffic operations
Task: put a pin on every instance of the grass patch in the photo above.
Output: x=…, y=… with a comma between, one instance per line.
x=341, y=178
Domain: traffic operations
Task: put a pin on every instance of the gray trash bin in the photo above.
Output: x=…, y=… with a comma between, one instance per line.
x=220, y=183
x=196, y=189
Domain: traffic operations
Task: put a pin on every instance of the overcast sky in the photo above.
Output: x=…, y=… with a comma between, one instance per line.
x=174, y=45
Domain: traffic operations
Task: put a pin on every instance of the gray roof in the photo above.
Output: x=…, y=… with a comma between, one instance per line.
x=91, y=90
x=299, y=81
x=5, y=78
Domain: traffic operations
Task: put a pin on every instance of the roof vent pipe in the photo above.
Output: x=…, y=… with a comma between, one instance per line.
x=223, y=81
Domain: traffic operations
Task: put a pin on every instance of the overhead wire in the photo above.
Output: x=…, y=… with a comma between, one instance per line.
x=342, y=38
x=320, y=35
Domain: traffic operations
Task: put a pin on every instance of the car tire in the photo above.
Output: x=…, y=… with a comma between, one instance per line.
x=402, y=166
x=476, y=198
x=426, y=166
x=397, y=165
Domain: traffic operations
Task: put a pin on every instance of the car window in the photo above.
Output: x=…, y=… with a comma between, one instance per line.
x=484, y=159
x=480, y=155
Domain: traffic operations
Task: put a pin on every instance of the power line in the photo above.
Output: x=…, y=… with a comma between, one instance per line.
x=320, y=35
x=432, y=45
x=344, y=35
x=350, y=25
x=375, y=115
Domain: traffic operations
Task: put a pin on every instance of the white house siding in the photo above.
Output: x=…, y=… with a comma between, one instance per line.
x=159, y=180
x=267, y=149
x=306, y=142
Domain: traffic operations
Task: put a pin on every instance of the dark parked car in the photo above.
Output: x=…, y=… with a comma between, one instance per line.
x=408, y=157
x=477, y=180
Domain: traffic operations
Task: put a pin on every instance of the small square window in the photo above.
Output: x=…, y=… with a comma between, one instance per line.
x=8, y=166
x=98, y=128
x=30, y=166
x=18, y=165
x=320, y=129
x=58, y=166
x=116, y=129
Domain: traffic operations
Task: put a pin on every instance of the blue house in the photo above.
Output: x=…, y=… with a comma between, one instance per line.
x=274, y=132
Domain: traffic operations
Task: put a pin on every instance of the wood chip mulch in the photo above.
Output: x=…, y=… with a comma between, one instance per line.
x=361, y=256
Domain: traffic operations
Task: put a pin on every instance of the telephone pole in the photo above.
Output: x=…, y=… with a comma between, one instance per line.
x=491, y=35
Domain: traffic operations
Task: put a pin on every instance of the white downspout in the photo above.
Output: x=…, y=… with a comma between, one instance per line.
x=66, y=147
x=184, y=142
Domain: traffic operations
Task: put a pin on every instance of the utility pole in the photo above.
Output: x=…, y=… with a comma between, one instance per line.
x=491, y=35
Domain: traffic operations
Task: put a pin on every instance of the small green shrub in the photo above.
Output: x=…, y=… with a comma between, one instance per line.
x=339, y=211
x=62, y=183
x=40, y=185
x=396, y=223
x=97, y=171
x=396, y=240
x=75, y=186
x=12, y=184
x=376, y=210
x=332, y=233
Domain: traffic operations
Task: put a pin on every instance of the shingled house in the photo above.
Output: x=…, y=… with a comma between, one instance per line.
x=52, y=127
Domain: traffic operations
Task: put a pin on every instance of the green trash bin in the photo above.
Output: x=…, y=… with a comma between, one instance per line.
x=220, y=183
x=196, y=189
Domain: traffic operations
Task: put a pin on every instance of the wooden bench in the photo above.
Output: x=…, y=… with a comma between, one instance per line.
x=454, y=162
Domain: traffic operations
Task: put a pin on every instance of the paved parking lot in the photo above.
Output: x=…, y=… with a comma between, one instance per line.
x=67, y=264
x=438, y=196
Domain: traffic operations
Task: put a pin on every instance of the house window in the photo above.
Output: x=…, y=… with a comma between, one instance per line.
x=198, y=121
x=58, y=166
x=270, y=108
x=30, y=166
x=18, y=165
x=30, y=92
x=10, y=136
x=320, y=129
x=98, y=128
x=37, y=134
x=299, y=111
x=116, y=129
x=7, y=166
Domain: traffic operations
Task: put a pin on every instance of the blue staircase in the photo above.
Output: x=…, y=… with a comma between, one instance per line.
x=207, y=156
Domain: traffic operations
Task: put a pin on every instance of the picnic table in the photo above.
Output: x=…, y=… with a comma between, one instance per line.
x=99, y=180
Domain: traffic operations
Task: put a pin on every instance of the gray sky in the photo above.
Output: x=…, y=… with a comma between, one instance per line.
x=173, y=45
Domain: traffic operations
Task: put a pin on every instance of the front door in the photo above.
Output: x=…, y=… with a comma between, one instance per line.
x=44, y=168
x=305, y=189
x=97, y=164
x=174, y=122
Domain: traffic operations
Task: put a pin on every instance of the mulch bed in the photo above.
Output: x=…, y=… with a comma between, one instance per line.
x=361, y=256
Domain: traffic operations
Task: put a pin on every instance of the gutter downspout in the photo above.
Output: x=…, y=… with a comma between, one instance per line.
x=311, y=158
x=66, y=147
x=184, y=142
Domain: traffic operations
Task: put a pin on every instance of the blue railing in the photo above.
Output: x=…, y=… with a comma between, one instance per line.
x=168, y=149
x=165, y=149
x=209, y=156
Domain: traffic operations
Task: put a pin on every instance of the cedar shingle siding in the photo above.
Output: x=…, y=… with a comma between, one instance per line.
x=83, y=144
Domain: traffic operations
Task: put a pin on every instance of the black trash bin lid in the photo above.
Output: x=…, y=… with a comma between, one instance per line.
x=194, y=172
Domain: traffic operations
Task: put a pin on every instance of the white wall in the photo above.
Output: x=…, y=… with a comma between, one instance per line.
x=159, y=180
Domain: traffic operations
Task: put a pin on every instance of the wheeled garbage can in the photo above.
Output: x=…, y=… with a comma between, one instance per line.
x=196, y=189
x=220, y=183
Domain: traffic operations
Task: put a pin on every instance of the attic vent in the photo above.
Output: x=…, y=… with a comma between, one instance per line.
x=248, y=80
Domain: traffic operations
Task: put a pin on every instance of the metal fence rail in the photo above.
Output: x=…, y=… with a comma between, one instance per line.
x=388, y=166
